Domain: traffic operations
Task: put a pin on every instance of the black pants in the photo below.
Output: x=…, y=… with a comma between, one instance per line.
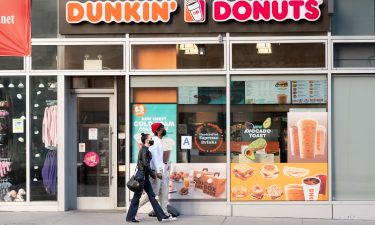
x=135, y=203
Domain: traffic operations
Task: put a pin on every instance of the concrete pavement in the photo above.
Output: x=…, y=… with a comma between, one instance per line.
x=118, y=218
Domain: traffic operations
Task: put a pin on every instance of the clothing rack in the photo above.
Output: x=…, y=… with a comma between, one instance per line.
x=4, y=159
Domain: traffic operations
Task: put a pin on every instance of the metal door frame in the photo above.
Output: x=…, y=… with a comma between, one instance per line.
x=88, y=203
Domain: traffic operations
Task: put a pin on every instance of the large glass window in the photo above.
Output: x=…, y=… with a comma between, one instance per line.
x=11, y=63
x=353, y=17
x=279, y=138
x=178, y=56
x=192, y=108
x=78, y=57
x=278, y=55
x=353, y=130
x=354, y=54
x=44, y=19
x=13, y=139
x=44, y=138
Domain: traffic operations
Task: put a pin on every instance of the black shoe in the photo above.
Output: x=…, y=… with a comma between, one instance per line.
x=152, y=214
x=132, y=221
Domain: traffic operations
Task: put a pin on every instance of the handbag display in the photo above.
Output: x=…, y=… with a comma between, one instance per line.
x=136, y=182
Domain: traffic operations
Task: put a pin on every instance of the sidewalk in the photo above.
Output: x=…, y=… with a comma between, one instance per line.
x=118, y=218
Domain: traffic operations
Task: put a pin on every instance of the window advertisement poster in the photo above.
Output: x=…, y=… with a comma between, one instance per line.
x=257, y=142
x=307, y=135
x=144, y=115
x=279, y=182
x=201, y=95
x=195, y=181
x=209, y=138
x=309, y=92
x=267, y=92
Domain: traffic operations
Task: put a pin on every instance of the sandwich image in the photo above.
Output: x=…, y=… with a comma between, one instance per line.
x=258, y=144
x=294, y=172
x=274, y=192
x=269, y=171
x=239, y=192
x=257, y=192
x=243, y=171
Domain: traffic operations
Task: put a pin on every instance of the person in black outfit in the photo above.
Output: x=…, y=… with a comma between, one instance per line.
x=144, y=158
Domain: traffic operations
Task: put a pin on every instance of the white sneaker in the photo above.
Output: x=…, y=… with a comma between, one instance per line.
x=169, y=218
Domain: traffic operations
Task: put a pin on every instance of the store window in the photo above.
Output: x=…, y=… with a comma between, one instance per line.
x=78, y=57
x=90, y=82
x=13, y=139
x=44, y=19
x=353, y=129
x=121, y=156
x=354, y=55
x=192, y=109
x=279, y=138
x=353, y=17
x=44, y=138
x=278, y=55
x=11, y=63
x=178, y=56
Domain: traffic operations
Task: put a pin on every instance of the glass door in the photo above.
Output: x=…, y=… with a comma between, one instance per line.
x=95, y=153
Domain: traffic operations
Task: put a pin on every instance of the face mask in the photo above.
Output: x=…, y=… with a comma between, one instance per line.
x=164, y=133
x=151, y=142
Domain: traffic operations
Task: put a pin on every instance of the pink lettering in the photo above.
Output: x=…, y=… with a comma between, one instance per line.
x=242, y=10
x=280, y=16
x=296, y=4
x=261, y=8
x=222, y=11
x=313, y=12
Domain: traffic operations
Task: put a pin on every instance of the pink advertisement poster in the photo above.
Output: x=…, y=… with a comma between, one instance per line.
x=307, y=137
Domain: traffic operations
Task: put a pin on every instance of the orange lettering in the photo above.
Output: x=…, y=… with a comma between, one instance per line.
x=146, y=11
x=113, y=11
x=94, y=13
x=75, y=12
x=131, y=11
x=161, y=10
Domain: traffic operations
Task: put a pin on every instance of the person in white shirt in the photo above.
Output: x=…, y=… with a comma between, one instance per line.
x=161, y=185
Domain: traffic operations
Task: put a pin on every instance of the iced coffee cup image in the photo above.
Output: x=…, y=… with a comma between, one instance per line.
x=307, y=137
x=320, y=140
x=294, y=192
x=311, y=188
x=294, y=140
x=282, y=98
x=195, y=9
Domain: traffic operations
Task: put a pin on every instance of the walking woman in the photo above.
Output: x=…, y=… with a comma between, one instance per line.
x=144, y=158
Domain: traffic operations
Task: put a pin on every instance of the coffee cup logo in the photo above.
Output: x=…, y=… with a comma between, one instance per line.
x=195, y=11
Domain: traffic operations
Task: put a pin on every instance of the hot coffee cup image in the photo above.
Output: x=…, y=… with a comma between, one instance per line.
x=311, y=188
x=195, y=9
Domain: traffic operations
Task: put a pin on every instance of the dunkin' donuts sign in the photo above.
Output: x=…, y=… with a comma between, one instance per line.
x=155, y=11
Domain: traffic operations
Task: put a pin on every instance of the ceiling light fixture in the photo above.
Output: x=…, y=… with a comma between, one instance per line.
x=264, y=48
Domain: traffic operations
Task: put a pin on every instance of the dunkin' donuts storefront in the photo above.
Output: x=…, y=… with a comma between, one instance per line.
x=242, y=87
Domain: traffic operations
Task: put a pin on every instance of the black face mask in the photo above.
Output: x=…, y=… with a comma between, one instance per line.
x=164, y=133
x=151, y=142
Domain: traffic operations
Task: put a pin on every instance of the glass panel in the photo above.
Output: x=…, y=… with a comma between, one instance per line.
x=11, y=63
x=354, y=55
x=90, y=57
x=44, y=138
x=121, y=188
x=78, y=57
x=93, y=159
x=44, y=19
x=92, y=82
x=279, y=138
x=278, y=55
x=353, y=17
x=44, y=57
x=353, y=132
x=180, y=56
x=13, y=139
x=192, y=109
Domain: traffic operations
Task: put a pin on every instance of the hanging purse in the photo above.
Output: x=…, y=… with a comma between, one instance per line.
x=136, y=182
